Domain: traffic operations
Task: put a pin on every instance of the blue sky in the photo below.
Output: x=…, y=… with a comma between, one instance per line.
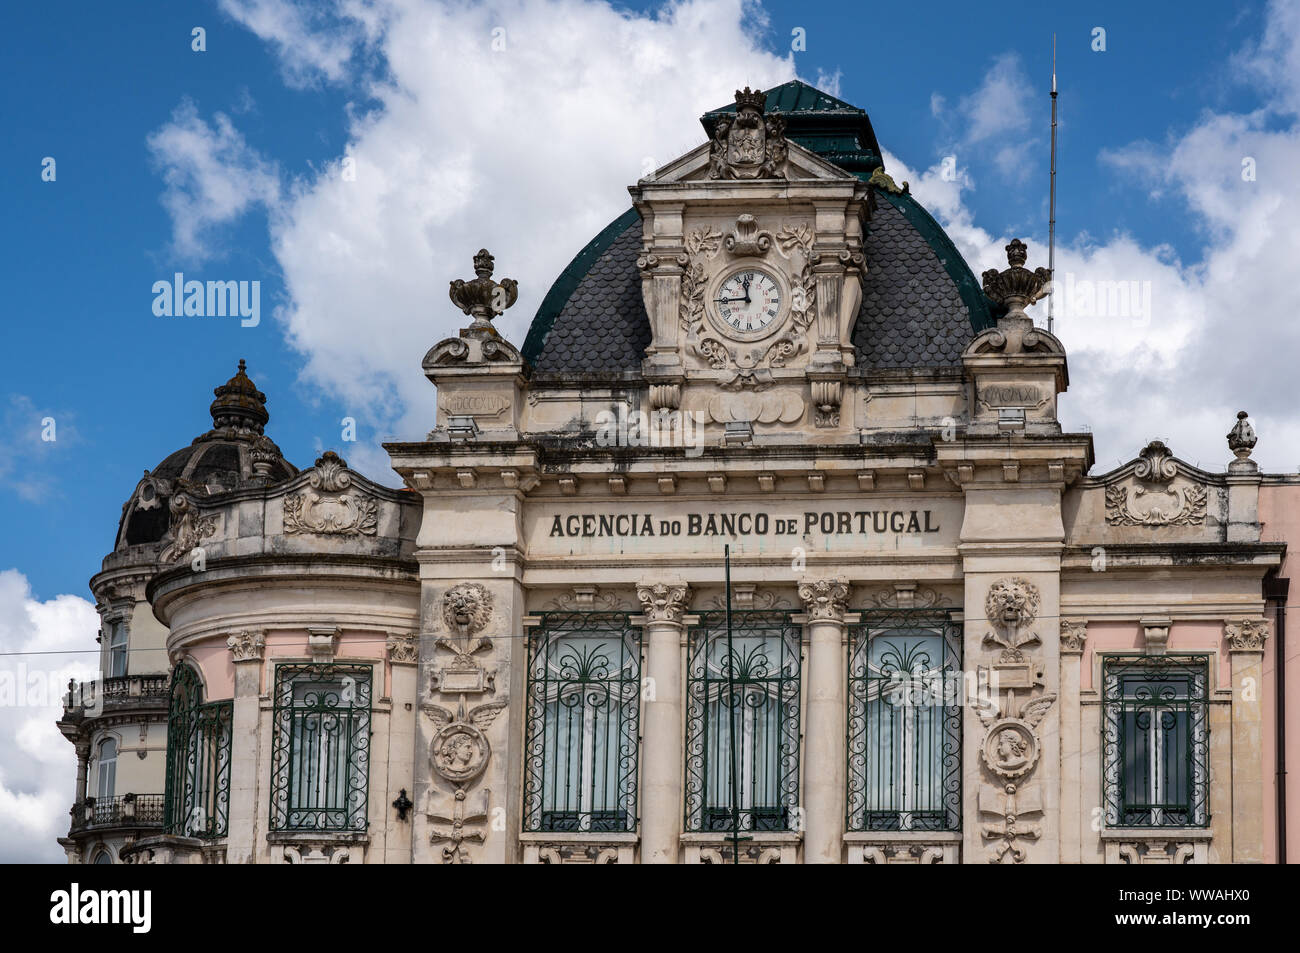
x=224, y=164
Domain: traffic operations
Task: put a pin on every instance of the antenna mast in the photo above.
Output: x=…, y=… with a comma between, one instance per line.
x=1051, y=220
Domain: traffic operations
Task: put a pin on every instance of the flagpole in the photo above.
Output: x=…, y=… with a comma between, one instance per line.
x=1051, y=221
x=731, y=718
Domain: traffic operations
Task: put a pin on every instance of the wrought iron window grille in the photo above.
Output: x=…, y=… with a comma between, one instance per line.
x=582, y=723
x=906, y=689
x=1155, y=762
x=197, y=798
x=756, y=687
x=320, y=754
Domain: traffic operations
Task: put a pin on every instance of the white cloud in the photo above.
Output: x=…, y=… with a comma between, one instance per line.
x=990, y=123
x=38, y=768
x=523, y=140
x=314, y=41
x=212, y=176
x=999, y=106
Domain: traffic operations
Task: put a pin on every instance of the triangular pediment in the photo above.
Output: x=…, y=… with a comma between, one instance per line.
x=800, y=164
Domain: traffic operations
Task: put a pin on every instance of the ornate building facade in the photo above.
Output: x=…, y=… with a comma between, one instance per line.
x=767, y=546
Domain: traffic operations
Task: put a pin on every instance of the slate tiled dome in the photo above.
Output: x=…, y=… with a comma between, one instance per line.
x=921, y=303
x=222, y=459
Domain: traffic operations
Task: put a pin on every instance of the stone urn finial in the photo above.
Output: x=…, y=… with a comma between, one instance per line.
x=1241, y=438
x=1017, y=287
x=482, y=298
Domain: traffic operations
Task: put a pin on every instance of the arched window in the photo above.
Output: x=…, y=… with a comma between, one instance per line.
x=117, y=649
x=103, y=857
x=105, y=771
x=198, y=759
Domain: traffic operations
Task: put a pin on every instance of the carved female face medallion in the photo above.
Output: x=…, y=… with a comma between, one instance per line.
x=748, y=303
x=1010, y=748
x=459, y=752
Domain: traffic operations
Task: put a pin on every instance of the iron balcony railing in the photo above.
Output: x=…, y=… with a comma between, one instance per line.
x=129, y=810
x=123, y=691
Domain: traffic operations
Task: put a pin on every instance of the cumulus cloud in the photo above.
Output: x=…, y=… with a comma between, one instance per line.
x=212, y=177
x=38, y=769
x=516, y=125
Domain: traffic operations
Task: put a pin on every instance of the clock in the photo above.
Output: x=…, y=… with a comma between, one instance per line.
x=748, y=303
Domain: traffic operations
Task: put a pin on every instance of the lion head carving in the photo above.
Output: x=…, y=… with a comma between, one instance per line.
x=1012, y=602
x=466, y=606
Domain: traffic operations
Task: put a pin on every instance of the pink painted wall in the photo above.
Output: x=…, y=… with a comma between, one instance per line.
x=1114, y=637
x=214, y=659
x=1279, y=512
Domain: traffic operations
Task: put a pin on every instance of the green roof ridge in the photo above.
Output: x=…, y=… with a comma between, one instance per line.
x=568, y=280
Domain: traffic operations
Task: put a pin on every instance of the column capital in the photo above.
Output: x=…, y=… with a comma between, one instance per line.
x=825, y=600
x=247, y=646
x=664, y=601
x=1246, y=635
x=403, y=648
x=1074, y=633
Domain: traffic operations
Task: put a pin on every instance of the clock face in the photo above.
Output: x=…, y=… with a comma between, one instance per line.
x=749, y=302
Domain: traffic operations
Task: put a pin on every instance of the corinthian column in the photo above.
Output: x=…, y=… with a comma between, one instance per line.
x=824, y=752
x=663, y=731
x=1246, y=639
x=246, y=653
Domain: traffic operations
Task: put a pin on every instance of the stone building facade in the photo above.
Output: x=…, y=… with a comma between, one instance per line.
x=767, y=546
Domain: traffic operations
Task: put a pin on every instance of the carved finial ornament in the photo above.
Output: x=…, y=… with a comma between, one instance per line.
x=1017, y=287
x=1241, y=438
x=482, y=298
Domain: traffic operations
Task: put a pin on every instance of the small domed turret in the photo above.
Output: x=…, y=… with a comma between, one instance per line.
x=233, y=454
